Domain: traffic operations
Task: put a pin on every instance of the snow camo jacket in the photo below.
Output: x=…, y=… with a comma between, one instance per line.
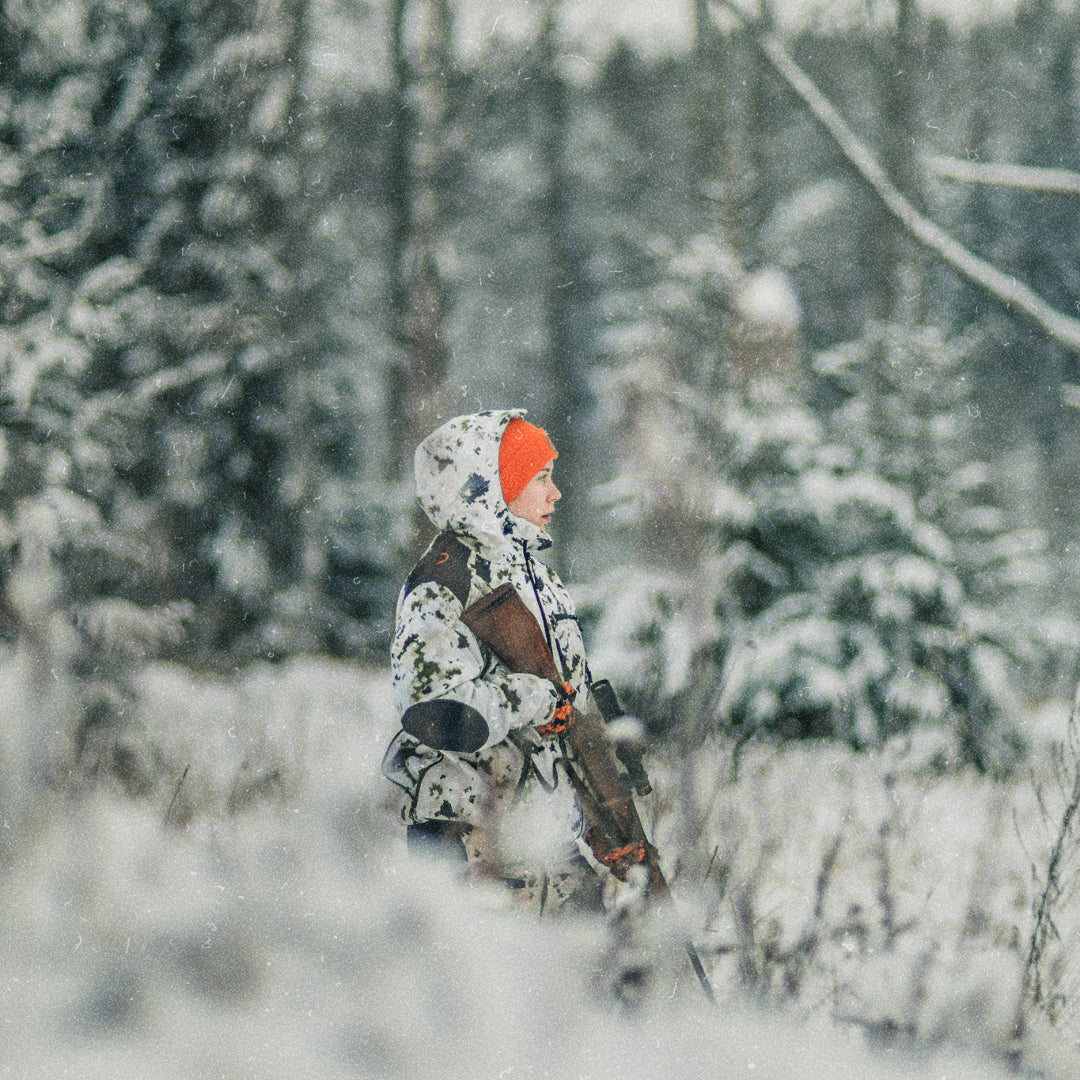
x=469, y=749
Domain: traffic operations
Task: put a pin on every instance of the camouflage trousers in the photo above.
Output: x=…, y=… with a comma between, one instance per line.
x=568, y=884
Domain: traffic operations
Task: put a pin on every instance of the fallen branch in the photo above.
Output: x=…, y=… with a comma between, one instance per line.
x=1004, y=287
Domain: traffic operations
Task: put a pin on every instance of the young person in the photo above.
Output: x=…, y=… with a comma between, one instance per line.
x=478, y=755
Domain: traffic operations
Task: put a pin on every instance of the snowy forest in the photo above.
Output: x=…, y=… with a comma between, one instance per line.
x=795, y=290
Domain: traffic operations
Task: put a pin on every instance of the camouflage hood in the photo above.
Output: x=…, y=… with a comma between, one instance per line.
x=458, y=485
x=442, y=670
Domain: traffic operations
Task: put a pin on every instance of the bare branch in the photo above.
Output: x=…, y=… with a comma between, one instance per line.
x=1004, y=287
x=1023, y=177
x=1043, y=928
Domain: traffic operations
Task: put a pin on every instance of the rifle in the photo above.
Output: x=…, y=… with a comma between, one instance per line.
x=615, y=833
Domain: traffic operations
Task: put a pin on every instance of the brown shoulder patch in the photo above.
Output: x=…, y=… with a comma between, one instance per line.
x=446, y=562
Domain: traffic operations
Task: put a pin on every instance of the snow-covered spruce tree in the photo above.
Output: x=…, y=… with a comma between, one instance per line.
x=65, y=299
x=904, y=399
x=227, y=379
x=782, y=578
x=157, y=433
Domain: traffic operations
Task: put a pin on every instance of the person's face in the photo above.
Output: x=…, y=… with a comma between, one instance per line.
x=537, y=499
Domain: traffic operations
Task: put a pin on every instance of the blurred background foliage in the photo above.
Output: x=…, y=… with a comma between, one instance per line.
x=817, y=483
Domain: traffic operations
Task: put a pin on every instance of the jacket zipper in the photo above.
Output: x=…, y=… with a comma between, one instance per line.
x=553, y=645
x=536, y=592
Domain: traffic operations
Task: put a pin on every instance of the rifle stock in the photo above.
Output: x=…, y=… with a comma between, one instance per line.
x=502, y=622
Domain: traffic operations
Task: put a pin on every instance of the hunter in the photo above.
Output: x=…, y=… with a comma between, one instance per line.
x=478, y=754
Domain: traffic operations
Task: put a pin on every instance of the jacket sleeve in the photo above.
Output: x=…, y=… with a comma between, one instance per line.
x=445, y=686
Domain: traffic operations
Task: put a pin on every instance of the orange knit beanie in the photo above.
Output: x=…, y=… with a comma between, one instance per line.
x=525, y=449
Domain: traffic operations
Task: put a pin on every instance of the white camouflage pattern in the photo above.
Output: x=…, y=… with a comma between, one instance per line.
x=511, y=790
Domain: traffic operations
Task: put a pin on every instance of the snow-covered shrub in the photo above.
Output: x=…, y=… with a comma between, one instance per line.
x=840, y=570
x=793, y=590
x=159, y=284
x=866, y=886
x=1051, y=978
x=296, y=937
x=904, y=400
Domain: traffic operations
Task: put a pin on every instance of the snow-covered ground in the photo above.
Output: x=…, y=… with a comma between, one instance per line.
x=254, y=916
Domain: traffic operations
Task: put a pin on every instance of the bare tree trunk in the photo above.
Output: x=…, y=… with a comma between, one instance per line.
x=710, y=107
x=721, y=175
x=302, y=478
x=399, y=198
x=901, y=269
x=757, y=126
x=738, y=129
x=564, y=273
x=738, y=176
x=417, y=244
x=427, y=301
x=732, y=123
x=418, y=293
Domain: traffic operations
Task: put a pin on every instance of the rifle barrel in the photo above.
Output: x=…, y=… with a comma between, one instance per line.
x=503, y=622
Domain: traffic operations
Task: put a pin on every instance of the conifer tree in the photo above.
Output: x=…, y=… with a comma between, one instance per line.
x=151, y=248
x=807, y=575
